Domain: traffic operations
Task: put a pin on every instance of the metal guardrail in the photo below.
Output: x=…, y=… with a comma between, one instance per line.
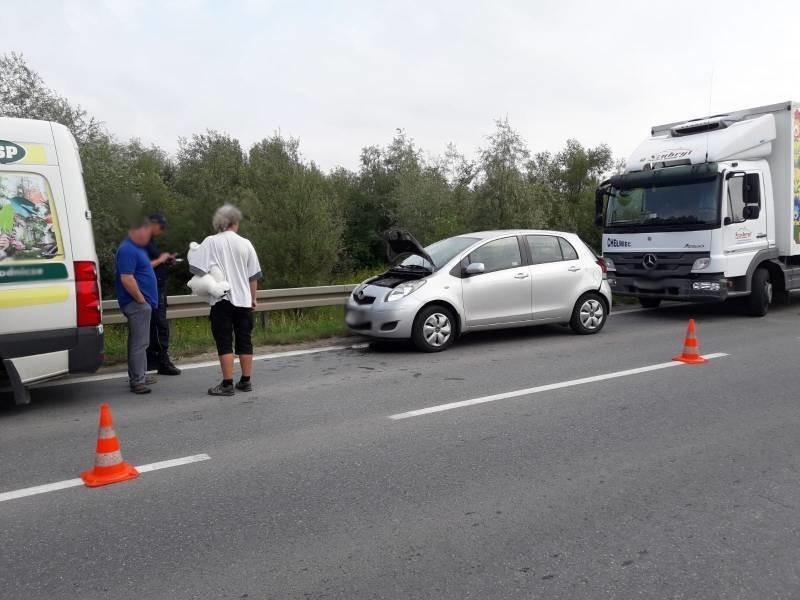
x=179, y=307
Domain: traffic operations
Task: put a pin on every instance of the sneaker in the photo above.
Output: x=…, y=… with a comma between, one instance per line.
x=140, y=388
x=221, y=390
x=169, y=369
x=148, y=380
x=244, y=386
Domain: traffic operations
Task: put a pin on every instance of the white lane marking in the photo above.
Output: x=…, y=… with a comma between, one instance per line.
x=199, y=365
x=542, y=388
x=68, y=483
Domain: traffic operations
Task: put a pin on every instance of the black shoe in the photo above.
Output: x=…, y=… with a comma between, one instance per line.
x=169, y=369
x=140, y=388
x=221, y=390
x=244, y=386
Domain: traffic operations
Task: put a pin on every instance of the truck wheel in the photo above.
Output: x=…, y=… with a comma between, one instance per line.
x=589, y=314
x=760, y=293
x=650, y=302
x=434, y=329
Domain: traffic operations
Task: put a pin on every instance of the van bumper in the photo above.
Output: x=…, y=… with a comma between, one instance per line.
x=30, y=358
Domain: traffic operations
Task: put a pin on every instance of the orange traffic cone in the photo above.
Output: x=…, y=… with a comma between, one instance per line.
x=691, y=348
x=108, y=465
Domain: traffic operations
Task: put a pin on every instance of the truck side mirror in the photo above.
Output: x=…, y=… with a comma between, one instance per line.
x=598, y=206
x=751, y=212
x=751, y=192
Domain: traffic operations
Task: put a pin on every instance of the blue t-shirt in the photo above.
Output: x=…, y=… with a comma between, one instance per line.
x=133, y=260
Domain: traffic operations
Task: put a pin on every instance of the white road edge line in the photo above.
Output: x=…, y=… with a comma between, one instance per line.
x=542, y=388
x=199, y=365
x=68, y=483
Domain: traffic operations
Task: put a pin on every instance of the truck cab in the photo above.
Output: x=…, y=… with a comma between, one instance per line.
x=705, y=210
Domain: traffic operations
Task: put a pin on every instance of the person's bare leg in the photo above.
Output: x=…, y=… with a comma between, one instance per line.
x=226, y=362
x=246, y=362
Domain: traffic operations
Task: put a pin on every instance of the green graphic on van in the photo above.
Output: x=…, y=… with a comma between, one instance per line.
x=10, y=152
x=9, y=274
x=28, y=225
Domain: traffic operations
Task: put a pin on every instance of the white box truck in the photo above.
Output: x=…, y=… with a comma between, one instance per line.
x=708, y=209
x=50, y=311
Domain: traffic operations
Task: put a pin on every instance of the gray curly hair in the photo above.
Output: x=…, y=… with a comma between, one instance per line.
x=225, y=217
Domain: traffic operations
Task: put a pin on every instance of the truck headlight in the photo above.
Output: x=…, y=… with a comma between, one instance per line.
x=700, y=264
x=610, y=266
x=404, y=289
x=705, y=286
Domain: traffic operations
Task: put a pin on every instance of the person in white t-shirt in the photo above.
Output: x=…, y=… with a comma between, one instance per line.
x=232, y=315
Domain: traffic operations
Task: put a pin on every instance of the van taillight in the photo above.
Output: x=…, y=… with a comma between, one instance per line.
x=87, y=293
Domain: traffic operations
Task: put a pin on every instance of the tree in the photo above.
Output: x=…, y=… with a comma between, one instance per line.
x=23, y=94
x=293, y=215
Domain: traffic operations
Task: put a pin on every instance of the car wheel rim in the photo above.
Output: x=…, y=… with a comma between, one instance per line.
x=592, y=314
x=437, y=330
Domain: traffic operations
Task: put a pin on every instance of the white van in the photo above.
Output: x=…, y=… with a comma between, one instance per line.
x=50, y=310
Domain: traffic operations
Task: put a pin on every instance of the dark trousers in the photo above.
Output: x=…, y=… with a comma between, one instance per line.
x=158, y=351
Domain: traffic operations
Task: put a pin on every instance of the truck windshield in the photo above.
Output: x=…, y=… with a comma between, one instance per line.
x=694, y=204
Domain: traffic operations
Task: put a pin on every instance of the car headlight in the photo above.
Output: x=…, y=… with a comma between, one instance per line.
x=404, y=289
x=700, y=264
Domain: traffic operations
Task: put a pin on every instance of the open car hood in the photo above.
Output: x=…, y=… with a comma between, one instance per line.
x=401, y=244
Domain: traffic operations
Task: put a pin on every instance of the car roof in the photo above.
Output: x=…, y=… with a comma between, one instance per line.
x=484, y=235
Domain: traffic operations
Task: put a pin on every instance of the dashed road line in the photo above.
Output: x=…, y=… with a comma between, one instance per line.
x=68, y=483
x=542, y=388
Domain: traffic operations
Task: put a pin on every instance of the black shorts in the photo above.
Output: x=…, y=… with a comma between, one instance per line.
x=229, y=322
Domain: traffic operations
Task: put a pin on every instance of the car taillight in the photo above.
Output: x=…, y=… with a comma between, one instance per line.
x=602, y=264
x=87, y=294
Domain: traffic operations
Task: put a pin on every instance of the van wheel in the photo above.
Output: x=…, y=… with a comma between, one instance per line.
x=589, y=314
x=434, y=329
x=760, y=293
x=650, y=302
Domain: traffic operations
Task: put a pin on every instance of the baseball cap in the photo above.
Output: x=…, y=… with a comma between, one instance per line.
x=158, y=218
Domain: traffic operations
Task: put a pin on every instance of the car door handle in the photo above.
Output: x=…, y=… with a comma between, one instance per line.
x=573, y=269
x=761, y=235
x=521, y=276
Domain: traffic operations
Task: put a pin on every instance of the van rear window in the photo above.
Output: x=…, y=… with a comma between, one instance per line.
x=28, y=224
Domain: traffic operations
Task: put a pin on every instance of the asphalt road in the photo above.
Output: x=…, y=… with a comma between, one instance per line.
x=679, y=482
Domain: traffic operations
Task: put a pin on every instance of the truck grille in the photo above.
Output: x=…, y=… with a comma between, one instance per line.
x=667, y=264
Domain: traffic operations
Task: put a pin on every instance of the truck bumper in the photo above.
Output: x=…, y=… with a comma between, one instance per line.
x=711, y=287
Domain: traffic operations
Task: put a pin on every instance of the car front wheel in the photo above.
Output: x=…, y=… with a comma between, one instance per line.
x=434, y=329
x=589, y=314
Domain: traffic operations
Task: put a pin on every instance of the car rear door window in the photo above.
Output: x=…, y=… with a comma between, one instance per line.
x=544, y=249
x=567, y=250
x=498, y=255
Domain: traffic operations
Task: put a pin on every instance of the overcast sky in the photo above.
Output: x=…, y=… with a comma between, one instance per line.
x=342, y=75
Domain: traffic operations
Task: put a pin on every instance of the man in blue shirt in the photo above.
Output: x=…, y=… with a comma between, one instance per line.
x=137, y=294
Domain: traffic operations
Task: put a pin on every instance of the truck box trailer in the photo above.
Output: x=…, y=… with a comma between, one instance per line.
x=708, y=209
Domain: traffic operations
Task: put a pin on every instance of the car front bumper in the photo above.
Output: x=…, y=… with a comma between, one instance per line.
x=388, y=320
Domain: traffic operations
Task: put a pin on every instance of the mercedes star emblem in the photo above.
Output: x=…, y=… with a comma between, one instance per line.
x=649, y=261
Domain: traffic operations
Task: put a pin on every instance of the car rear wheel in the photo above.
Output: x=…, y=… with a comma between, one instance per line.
x=434, y=329
x=589, y=314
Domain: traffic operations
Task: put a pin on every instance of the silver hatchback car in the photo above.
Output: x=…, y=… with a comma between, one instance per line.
x=478, y=281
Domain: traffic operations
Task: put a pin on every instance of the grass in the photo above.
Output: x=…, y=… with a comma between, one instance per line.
x=192, y=336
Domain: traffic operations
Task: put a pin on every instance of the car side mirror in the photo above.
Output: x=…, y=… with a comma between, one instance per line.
x=751, y=212
x=475, y=269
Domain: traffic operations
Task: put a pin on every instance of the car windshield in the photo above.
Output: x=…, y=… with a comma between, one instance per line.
x=441, y=252
x=691, y=203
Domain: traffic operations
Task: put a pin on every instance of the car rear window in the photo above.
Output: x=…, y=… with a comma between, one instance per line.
x=28, y=224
